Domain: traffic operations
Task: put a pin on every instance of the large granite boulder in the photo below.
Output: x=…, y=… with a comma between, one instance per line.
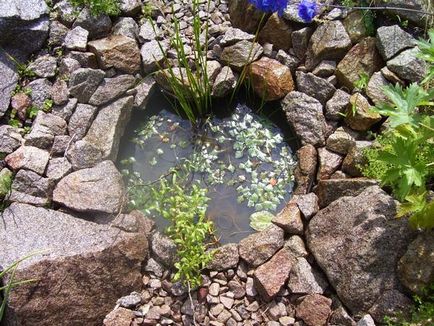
x=83, y=269
x=23, y=26
x=358, y=242
x=97, y=189
x=109, y=125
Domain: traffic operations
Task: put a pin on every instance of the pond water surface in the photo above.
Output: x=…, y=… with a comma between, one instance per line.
x=241, y=158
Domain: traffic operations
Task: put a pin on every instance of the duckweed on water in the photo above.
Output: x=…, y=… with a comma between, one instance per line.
x=242, y=152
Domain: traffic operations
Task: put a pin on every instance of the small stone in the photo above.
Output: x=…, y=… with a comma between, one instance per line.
x=359, y=115
x=20, y=102
x=374, y=90
x=304, y=279
x=152, y=55
x=154, y=267
x=224, y=82
x=226, y=301
x=57, y=34
x=250, y=288
x=224, y=257
x=393, y=39
x=65, y=111
x=314, y=309
x=355, y=159
x=366, y=320
x=337, y=105
x=297, y=247
x=241, y=54
x=270, y=79
x=84, y=82
x=272, y=275
x=29, y=158
x=340, y=316
x=119, y=317
x=163, y=249
x=44, y=66
x=314, y=86
x=83, y=154
x=325, y=69
x=254, y=306
x=408, y=66
x=76, y=39
x=300, y=41
x=130, y=301
x=289, y=219
x=308, y=205
x=288, y=60
x=234, y=35
x=259, y=247
x=126, y=26
x=214, y=289
x=111, y=88
x=81, y=120
x=329, y=162
x=224, y=316
x=355, y=25
x=98, y=26
x=117, y=51
x=276, y=310
x=277, y=32
x=237, y=289
x=45, y=127
x=60, y=92
x=286, y=321
x=10, y=139
x=41, y=91
x=58, y=168
x=144, y=91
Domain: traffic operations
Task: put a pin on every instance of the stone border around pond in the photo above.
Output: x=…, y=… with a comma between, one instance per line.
x=318, y=264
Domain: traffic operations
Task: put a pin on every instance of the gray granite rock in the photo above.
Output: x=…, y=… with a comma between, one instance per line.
x=29, y=158
x=57, y=33
x=60, y=92
x=393, y=39
x=66, y=110
x=416, y=16
x=374, y=90
x=103, y=185
x=314, y=86
x=83, y=155
x=355, y=158
x=408, y=66
x=65, y=12
x=152, y=55
x=84, y=82
x=224, y=83
x=163, y=249
x=111, y=88
x=44, y=66
x=340, y=141
x=76, y=39
x=73, y=250
x=29, y=187
x=81, y=120
x=241, y=54
x=305, y=115
x=328, y=163
x=300, y=41
x=234, y=35
x=259, y=247
x=148, y=32
x=144, y=92
x=130, y=7
x=10, y=139
x=337, y=105
x=360, y=271
x=41, y=91
x=224, y=257
x=292, y=62
x=126, y=26
x=58, y=168
x=303, y=279
x=108, y=127
x=98, y=26
x=45, y=127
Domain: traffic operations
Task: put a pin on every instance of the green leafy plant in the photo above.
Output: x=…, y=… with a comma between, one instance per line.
x=47, y=105
x=32, y=112
x=261, y=220
x=189, y=84
x=99, y=7
x=362, y=82
x=422, y=313
x=184, y=205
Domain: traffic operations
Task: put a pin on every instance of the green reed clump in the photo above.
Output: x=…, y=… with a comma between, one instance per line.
x=189, y=83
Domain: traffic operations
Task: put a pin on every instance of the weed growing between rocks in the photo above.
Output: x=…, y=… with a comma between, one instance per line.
x=404, y=157
x=99, y=7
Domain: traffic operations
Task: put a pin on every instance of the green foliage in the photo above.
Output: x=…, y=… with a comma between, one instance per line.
x=99, y=7
x=427, y=54
x=422, y=313
x=190, y=85
x=362, y=82
x=47, y=105
x=32, y=112
x=404, y=156
x=183, y=204
x=5, y=182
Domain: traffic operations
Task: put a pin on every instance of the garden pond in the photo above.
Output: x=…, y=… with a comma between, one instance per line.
x=243, y=160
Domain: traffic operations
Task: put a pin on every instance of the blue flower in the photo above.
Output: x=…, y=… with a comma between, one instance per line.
x=270, y=5
x=307, y=10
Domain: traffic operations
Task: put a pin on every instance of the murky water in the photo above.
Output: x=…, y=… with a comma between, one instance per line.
x=240, y=158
